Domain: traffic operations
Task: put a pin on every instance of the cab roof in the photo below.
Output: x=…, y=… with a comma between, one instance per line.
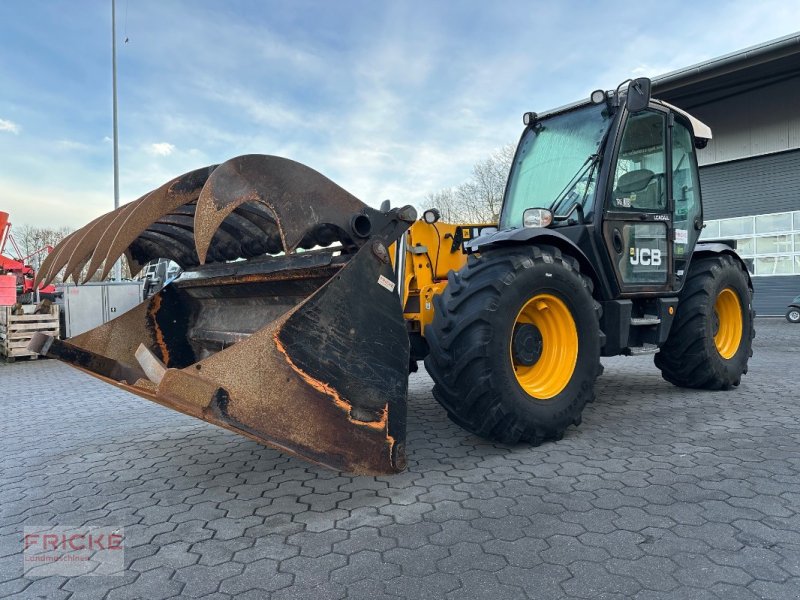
x=699, y=129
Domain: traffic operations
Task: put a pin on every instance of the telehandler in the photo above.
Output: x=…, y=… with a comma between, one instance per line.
x=301, y=310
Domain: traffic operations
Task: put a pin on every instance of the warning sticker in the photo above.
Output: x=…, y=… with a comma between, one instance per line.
x=681, y=236
x=386, y=282
x=624, y=202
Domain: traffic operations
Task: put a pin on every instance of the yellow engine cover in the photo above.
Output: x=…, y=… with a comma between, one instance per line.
x=431, y=251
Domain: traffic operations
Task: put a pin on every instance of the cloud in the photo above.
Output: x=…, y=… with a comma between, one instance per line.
x=386, y=100
x=161, y=149
x=71, y=145
x=9, y=126
x=268, y=113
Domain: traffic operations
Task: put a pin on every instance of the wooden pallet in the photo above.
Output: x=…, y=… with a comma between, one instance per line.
x=17, y=330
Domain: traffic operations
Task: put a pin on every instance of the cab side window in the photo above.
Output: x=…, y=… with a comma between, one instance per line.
x=640, y=173
x=685, y=192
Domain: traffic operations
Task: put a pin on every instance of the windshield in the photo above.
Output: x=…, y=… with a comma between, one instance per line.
x=555, y=166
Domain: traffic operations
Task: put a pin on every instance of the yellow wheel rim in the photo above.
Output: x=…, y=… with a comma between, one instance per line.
x=559, y=348
x=728, y=311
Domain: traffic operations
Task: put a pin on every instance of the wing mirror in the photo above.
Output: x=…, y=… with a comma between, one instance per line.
x=638, y=94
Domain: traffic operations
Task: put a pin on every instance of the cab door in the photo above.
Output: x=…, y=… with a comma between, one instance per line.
x=688, y=210
x=637, y=227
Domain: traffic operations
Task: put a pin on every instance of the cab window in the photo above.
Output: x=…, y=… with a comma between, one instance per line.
x=639, y=176
x=685, y=191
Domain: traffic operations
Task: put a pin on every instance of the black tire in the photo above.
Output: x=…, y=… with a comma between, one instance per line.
x=469, y=339
x=690, y=358
x=793, y=315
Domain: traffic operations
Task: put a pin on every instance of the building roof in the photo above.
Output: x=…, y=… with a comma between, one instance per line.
x=711, y=80
x=726, y=75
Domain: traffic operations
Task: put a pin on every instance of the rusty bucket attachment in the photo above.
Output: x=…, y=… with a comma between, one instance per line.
x=285, y=325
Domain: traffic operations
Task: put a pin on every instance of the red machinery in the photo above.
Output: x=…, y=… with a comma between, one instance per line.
x=24, y=273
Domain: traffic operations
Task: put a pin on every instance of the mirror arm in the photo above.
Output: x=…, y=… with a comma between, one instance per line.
x=616, y=92
x=575, y=208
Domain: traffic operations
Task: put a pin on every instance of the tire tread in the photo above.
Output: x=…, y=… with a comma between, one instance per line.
x=685, y=359
x=463, y=318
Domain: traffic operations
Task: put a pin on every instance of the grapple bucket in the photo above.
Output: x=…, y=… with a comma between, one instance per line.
x=304, y=350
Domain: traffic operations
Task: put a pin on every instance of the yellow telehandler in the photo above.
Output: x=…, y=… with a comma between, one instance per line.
x=301, y=310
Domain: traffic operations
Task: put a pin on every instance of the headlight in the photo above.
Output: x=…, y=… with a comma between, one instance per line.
x=537, y=217
x=431, y=215
x=597, y=97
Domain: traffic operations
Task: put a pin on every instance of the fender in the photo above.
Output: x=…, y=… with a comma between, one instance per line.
x=702, y=249
x=529, y=235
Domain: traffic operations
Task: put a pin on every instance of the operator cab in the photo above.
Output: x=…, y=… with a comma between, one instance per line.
x=599, y=225
x=617, y=175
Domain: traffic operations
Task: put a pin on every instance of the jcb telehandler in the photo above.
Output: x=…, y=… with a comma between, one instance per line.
x=301, y=310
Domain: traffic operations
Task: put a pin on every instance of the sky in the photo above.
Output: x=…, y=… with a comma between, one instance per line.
x=391, y=100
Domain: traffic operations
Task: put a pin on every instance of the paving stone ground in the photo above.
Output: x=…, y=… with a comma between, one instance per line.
x=661, y=493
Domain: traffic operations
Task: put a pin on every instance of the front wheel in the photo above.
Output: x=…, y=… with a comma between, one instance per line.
x=515, y=345
x=793, y=315
x=711, y=338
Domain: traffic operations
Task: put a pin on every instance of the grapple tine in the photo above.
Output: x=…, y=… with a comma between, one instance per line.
x=64, y=250
x=159, y=203
x=97, y=235
x=84, y=247
x=134, y=266
x=299, y=197
x=43, y=274
x=67, y=248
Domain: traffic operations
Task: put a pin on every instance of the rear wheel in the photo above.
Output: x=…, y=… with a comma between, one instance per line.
x=711, y=337
x=793, y=315
x=514, y=344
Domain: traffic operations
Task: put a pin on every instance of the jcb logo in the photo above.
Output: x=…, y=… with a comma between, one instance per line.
x=646, y=256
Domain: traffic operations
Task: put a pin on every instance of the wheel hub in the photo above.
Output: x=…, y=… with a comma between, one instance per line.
x=543, y=349
x=526, y=345
x=727, y=323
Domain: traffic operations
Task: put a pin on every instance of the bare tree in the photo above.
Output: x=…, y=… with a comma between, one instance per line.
x=448, y=204
x=479, y=199
x=30, y=239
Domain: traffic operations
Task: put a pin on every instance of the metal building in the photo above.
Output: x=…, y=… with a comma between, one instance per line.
x=750, y=171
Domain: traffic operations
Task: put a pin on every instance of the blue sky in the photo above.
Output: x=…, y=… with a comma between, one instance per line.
x=388, y=99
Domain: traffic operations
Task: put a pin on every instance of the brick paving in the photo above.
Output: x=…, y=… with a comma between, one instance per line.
x=661, y=493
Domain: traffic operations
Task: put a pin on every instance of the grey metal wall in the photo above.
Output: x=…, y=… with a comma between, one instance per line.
x=758, y=121
x=754, y=186
x=772, y=294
